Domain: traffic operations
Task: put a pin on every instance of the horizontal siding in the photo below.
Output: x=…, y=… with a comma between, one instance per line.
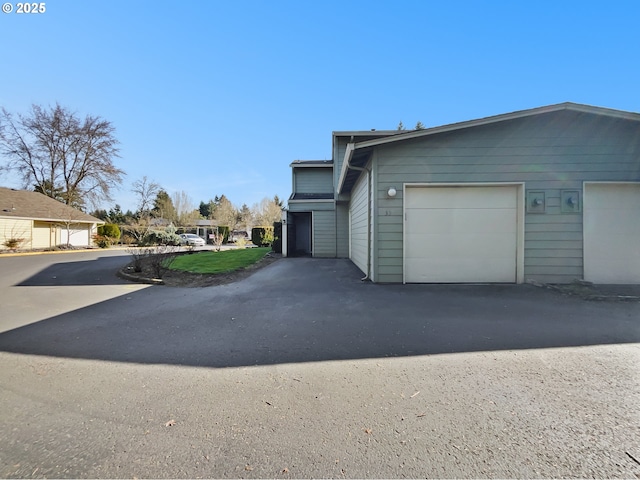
x=359, y=224
x=324, y=234
x=15, y=228
x=551, y=236
x=342, y=231
x=569, y=272
x=541, y=177
x=552, y=253
x=559, y=164
x=549, y=152
x=313, y=180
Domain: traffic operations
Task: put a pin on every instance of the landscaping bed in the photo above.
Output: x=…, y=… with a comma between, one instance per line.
x=226, y=270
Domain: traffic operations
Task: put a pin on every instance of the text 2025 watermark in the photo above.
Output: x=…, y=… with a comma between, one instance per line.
x=24, y=7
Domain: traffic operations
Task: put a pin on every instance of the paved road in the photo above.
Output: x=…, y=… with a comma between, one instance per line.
x=36, y=287
x=303, y=371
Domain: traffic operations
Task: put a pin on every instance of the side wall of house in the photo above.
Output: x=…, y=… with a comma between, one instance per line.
x=324, y=233
x=313, y=180
x=342, y=230
x=552, y=153
x=323, y=225
x=358, y=223
x=16, y=228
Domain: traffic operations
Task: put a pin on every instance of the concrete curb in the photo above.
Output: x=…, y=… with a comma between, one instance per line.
x=135, y=278
x=58, y=252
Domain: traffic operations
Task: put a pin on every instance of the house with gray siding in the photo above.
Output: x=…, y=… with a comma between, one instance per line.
x=550, y=194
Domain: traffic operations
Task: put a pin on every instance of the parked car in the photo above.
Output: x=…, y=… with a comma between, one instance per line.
x=191, y=239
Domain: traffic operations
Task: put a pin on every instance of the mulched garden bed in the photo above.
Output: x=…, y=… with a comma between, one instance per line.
x=178, y=278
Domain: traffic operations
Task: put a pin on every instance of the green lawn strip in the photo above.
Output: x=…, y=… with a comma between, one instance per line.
x=219, y=262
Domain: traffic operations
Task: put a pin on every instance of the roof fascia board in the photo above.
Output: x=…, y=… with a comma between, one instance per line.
x=500, y=118
x=57, y=220
x=364, y=133
x=348, y=154
x=311, y=165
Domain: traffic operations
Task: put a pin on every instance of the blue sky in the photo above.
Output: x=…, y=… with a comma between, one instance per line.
x=215, y=97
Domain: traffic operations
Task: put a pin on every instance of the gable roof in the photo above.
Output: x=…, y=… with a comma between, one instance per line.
x=24, y=204
x=353, y=148
x=575, y=107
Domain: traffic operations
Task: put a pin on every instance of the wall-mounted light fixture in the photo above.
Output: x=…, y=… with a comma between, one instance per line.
x=570, y=201
x=392, y=192
x=536, y=201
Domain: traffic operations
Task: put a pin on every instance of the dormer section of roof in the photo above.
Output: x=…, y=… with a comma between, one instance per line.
x=312, y=180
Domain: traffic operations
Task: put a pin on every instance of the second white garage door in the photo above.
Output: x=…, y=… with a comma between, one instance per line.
x=612, y=233
x=461, y=234
x=76, y=235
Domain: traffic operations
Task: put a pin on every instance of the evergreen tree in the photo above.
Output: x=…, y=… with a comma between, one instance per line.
x=163, y=207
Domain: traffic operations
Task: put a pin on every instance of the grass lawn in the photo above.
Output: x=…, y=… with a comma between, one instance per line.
x=219, y=262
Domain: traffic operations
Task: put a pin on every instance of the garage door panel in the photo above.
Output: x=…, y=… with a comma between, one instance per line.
x=460, y=220
x=460, y=197
x=616, y=246
x=41, y=236
x=494, y=245
x=461, y=270
x=613, y=220
x=611, y=233
x=76, y=236
x=610, y=196
x=461, y=234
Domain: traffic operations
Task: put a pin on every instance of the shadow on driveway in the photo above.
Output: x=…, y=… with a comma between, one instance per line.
x=94, y=271
x=302, y=310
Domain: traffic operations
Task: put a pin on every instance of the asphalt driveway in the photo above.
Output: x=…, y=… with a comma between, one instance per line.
x=302, y=370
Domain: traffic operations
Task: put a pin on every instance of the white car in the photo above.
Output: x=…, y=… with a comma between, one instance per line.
x=191, y=239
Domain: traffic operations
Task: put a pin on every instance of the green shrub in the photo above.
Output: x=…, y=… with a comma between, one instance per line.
x=160, y=237
x=224, y=231
x=262, y=236
x=277, y=237
x=110, y=230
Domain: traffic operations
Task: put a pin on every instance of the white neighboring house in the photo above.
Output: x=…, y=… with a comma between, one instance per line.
x=42, y=222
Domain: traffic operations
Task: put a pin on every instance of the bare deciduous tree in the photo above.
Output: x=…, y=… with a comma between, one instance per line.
x=226, y=213
x=145, y=191
x=186, y=213
x=266, y=212
x=56, y=150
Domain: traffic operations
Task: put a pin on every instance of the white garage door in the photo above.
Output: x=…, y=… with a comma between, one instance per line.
x=76, y=235
x=612, y=233
x=461, y=234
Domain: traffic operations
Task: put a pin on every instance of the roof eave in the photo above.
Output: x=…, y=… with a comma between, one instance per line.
x=348, y=154
x=46, y=219
x=500, y=118
x=299, y=164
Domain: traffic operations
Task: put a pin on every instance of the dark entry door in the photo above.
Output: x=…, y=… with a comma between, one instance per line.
x=299, y=234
